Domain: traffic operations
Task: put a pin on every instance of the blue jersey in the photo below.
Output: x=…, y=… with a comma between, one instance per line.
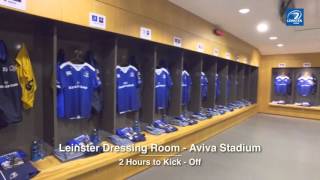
x=60, y=99
x=128, y=83
x=10, y=90
x=14, y=166
x=204, y=85
x=306, y=85
x=217, y=85
x=10, y=94
x=282, y=85
x=76, y=82
x=163, y=85
x=186, y=83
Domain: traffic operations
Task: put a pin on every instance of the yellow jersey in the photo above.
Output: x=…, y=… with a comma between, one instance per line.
x=26, y=78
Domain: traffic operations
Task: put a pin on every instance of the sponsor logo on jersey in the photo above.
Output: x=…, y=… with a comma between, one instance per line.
x=29, y=85
x=6, y=85
x=86, y=74
x=295, y=17
x=12, y=68
x=78, y=86
x=131, y=74
x=68, y=73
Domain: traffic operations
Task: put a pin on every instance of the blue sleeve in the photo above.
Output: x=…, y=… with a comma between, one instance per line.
x=189, y=80
x=96, y=82
x=138, y=78
x=60, y=82
x=289, y=81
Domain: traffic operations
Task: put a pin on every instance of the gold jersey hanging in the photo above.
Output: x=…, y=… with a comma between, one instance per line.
x=26, y=77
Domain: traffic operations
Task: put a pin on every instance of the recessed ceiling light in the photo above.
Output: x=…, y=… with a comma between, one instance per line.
x=273, y=38
x=244, y=11
x=280, y=45
x=262, y=27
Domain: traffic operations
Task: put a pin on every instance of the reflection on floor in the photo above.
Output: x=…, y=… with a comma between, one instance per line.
x=290, y=150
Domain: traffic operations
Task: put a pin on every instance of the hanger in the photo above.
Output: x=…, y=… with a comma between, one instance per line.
x=162, y=64
x=124, y=60
x=306, y=73
x=77, y=58
x=158, y=66
x=186, y=66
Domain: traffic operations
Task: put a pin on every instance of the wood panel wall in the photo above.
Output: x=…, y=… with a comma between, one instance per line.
x=164, y=18
x=265, y=86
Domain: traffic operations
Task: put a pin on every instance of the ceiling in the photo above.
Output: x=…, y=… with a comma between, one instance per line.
x=224, y=13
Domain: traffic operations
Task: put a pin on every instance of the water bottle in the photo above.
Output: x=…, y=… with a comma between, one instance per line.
x=95, y=138
x=35, y=154
x=136, y=126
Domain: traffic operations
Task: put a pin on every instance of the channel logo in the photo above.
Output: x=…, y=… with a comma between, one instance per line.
x=295, y=17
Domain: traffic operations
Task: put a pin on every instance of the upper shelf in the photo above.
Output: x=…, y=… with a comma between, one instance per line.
x=129, y=23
